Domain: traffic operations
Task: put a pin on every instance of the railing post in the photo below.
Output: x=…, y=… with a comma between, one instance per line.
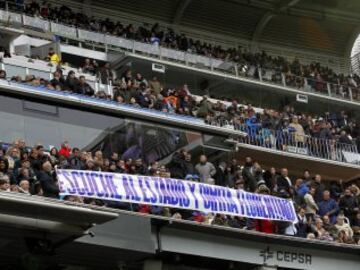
x=111, y=93
x=350, y=94
x=260, y=74
x=96, y=86
x=328, y=86
x=283, y=79
x=236, y=67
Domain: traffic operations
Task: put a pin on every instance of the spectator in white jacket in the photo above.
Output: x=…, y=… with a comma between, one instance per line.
x=206, y=170
x=341, y=225
x=311, y=206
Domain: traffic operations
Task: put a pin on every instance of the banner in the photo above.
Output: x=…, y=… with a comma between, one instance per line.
x=174, y=193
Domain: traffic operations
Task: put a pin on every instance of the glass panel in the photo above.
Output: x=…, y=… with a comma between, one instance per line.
x=41, y=74
x=15, y=71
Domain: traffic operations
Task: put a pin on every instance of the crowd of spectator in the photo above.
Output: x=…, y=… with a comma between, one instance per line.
x=326, y=211
x=323, y=135
x=276, y=69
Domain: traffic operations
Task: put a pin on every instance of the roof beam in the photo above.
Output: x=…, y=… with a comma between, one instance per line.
x=180, y=10
x=279, y=7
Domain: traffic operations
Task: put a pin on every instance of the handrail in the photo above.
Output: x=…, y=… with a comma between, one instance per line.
x=289, y=140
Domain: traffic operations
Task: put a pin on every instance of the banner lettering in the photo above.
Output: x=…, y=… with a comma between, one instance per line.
x=174, y=193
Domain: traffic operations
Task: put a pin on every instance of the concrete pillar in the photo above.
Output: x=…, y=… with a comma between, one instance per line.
x=152, y=265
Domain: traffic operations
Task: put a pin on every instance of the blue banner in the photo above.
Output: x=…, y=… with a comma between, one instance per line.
x=174, y=193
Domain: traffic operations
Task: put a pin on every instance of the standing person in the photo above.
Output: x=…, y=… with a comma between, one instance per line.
x=65, y=149
x=328, y=206
x=248, y=175
x=177, y=165
x=311, y=207
x=284, y=185
x=299, y=134
x=47, y=181
x=349, y=205
x=155, y=85
x=206, y=170
x=105, y=74
x=190, y=168
x=221, y=175
x=302, y=226
x=320, y=188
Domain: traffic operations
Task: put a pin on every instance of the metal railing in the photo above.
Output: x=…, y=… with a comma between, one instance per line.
x=293, y=142
x=288, y=140
x=344, y=91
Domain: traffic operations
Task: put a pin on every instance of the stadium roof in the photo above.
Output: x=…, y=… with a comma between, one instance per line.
x=329, y=26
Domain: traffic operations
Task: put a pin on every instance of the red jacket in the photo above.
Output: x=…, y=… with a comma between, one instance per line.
x=144, y=208
x=265, y=226
x=65, y=151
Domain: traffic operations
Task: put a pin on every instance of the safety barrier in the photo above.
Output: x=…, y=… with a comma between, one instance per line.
x=288, y=140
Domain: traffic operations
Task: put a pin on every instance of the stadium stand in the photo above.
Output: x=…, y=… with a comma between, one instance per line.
x=325, y=213
x=134, y=127
x=330, y=136
x=310, y=77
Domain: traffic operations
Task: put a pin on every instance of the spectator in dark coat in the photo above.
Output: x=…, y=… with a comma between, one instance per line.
x=47, y=181
x=58, y=81
x=248, y=176
x=302, y=225
x=75, y=162
x=349, y=205
x=221, y=175
x=105, y=74
x=83, y=87
x=284, y=185
x=190, y=168
x=319, y=188
x=344, y=138
x=71, y=82
x=177, y=165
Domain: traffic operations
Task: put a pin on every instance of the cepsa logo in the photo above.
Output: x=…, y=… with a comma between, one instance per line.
x=285, y=256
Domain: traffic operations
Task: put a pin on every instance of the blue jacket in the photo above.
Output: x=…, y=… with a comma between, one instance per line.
x=302, y=190
x=329, y=206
